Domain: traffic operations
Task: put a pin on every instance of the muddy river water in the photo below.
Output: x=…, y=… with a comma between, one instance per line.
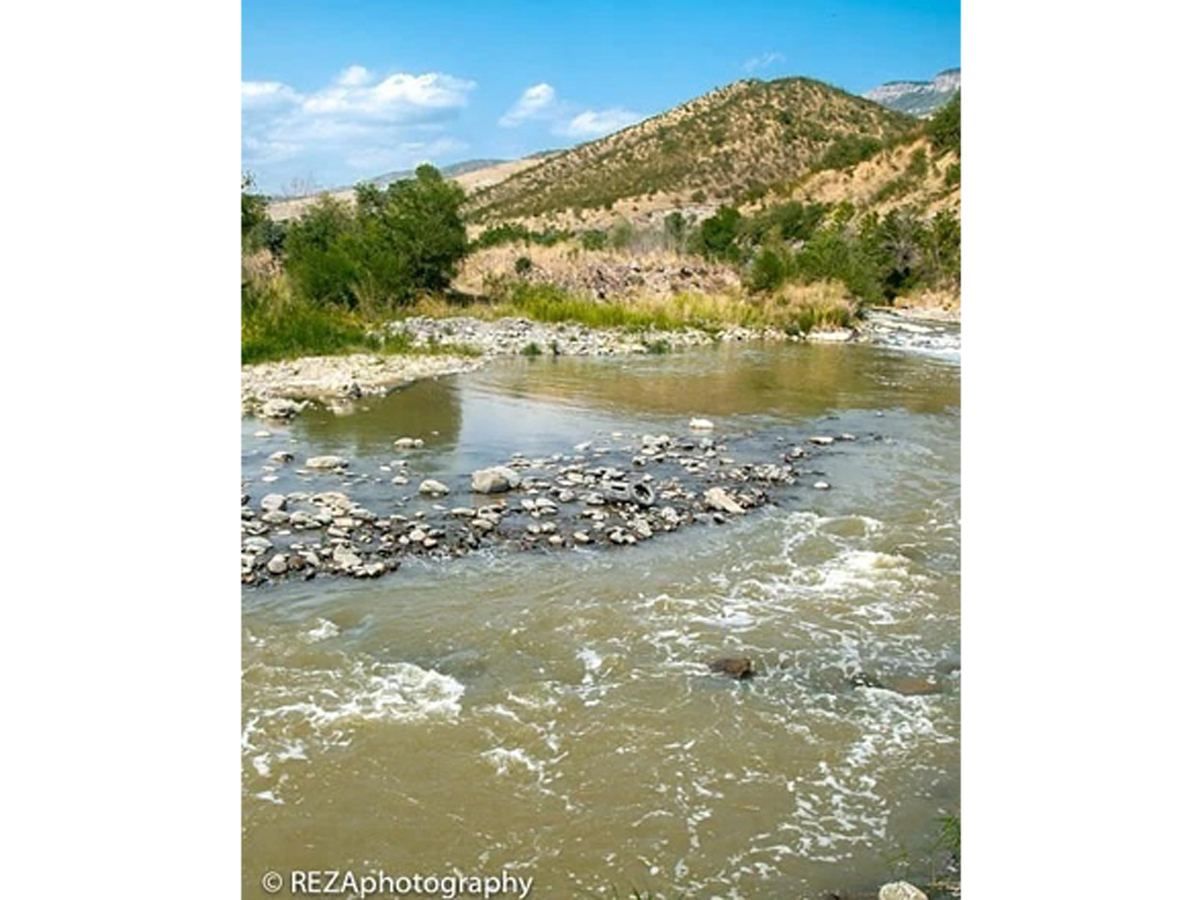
x=550, y=712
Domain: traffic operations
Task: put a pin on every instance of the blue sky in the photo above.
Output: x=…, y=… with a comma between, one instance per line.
x=334, y=92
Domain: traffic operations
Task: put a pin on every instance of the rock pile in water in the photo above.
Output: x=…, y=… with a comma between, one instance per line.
x=589, y=496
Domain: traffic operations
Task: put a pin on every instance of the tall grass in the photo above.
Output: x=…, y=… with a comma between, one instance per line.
x=796, y=309
x=276, y=325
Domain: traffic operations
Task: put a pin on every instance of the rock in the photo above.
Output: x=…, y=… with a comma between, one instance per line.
x=901, y=890
x=345, y=558
x=495, y=480
x=326, y=462
x=719, y=499
x=408, y=443
x=836, y=336
x=273, y=503
x=821, y=440
x=701, y=425
x=399, y=479
x=821, y=485
x=433, y=488
x=278, y=564
x=280, y=408
x=281, y=456
x=863, y=679
x=913, y=687
x=739, y=667
x=582, y=537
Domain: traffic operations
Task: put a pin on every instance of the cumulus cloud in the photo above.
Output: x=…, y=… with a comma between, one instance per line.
x=355, y=124
x=763, y=61
x=535, y=102
x=596, y=122
x=540, y=102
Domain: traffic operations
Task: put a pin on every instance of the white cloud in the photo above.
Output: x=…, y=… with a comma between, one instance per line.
x=353, y=76
x=596, y=122
x=540, y=102
x=763, y=61
x=355, y=123
x=535, y=102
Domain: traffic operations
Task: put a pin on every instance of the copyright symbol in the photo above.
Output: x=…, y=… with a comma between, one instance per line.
x=272, y=882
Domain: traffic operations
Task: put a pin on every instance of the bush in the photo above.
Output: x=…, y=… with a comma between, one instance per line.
x=620, y=236
x=792, y=222
x=593, y=239
x=944, y=128
x=772, y=266
x=717, y=235
x=848, y=150
x=523, y=265
x=675, y=229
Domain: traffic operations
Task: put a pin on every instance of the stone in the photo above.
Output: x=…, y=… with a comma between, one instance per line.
x=326, y=462
x=277, y=564
x=273, y=503
x=582, y=537
x=408, y=443
x=495, y=480
x=433, y=488
x=719, y=499
x=911, y=686
x=821, y=485
x=280, y=408
x=821, y=440
x=739, y=667
x=282, y=456
x=701, y=425
x=901, y=890
x=345, y=558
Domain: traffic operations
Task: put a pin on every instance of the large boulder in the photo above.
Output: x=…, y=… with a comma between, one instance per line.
x=495, y=480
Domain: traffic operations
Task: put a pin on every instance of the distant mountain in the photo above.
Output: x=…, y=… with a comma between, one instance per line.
x=451, y=171
x=738, y=138
x=918, y=98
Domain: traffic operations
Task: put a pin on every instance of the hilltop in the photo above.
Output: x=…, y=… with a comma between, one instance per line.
x=726, y=144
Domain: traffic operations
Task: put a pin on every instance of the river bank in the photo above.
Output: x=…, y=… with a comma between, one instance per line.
x=278, y=390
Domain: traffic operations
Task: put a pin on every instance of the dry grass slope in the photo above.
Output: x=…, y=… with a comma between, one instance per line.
x=747, y=135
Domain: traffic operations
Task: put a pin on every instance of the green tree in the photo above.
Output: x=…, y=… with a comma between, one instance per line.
x=316, y=255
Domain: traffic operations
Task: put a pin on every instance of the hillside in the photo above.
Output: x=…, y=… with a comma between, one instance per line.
x=918, y=98
x=719, y=147
x=473, y=175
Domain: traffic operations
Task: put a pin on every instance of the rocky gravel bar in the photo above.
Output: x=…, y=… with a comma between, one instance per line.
x=603, y=494
x=279, y=390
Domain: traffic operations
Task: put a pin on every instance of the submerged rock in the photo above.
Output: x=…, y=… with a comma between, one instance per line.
x=739, y=667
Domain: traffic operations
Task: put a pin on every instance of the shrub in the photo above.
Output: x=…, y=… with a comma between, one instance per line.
x=716, y=237
x=848, y=150
x=944, y=128
x=531, y=349
x=317, y=257
x=593, y=239
x=675, y=229
x=772, y=266
x=620, y=236
x=523, y=265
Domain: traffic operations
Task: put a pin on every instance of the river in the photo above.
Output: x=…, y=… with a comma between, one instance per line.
x=551, y=711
